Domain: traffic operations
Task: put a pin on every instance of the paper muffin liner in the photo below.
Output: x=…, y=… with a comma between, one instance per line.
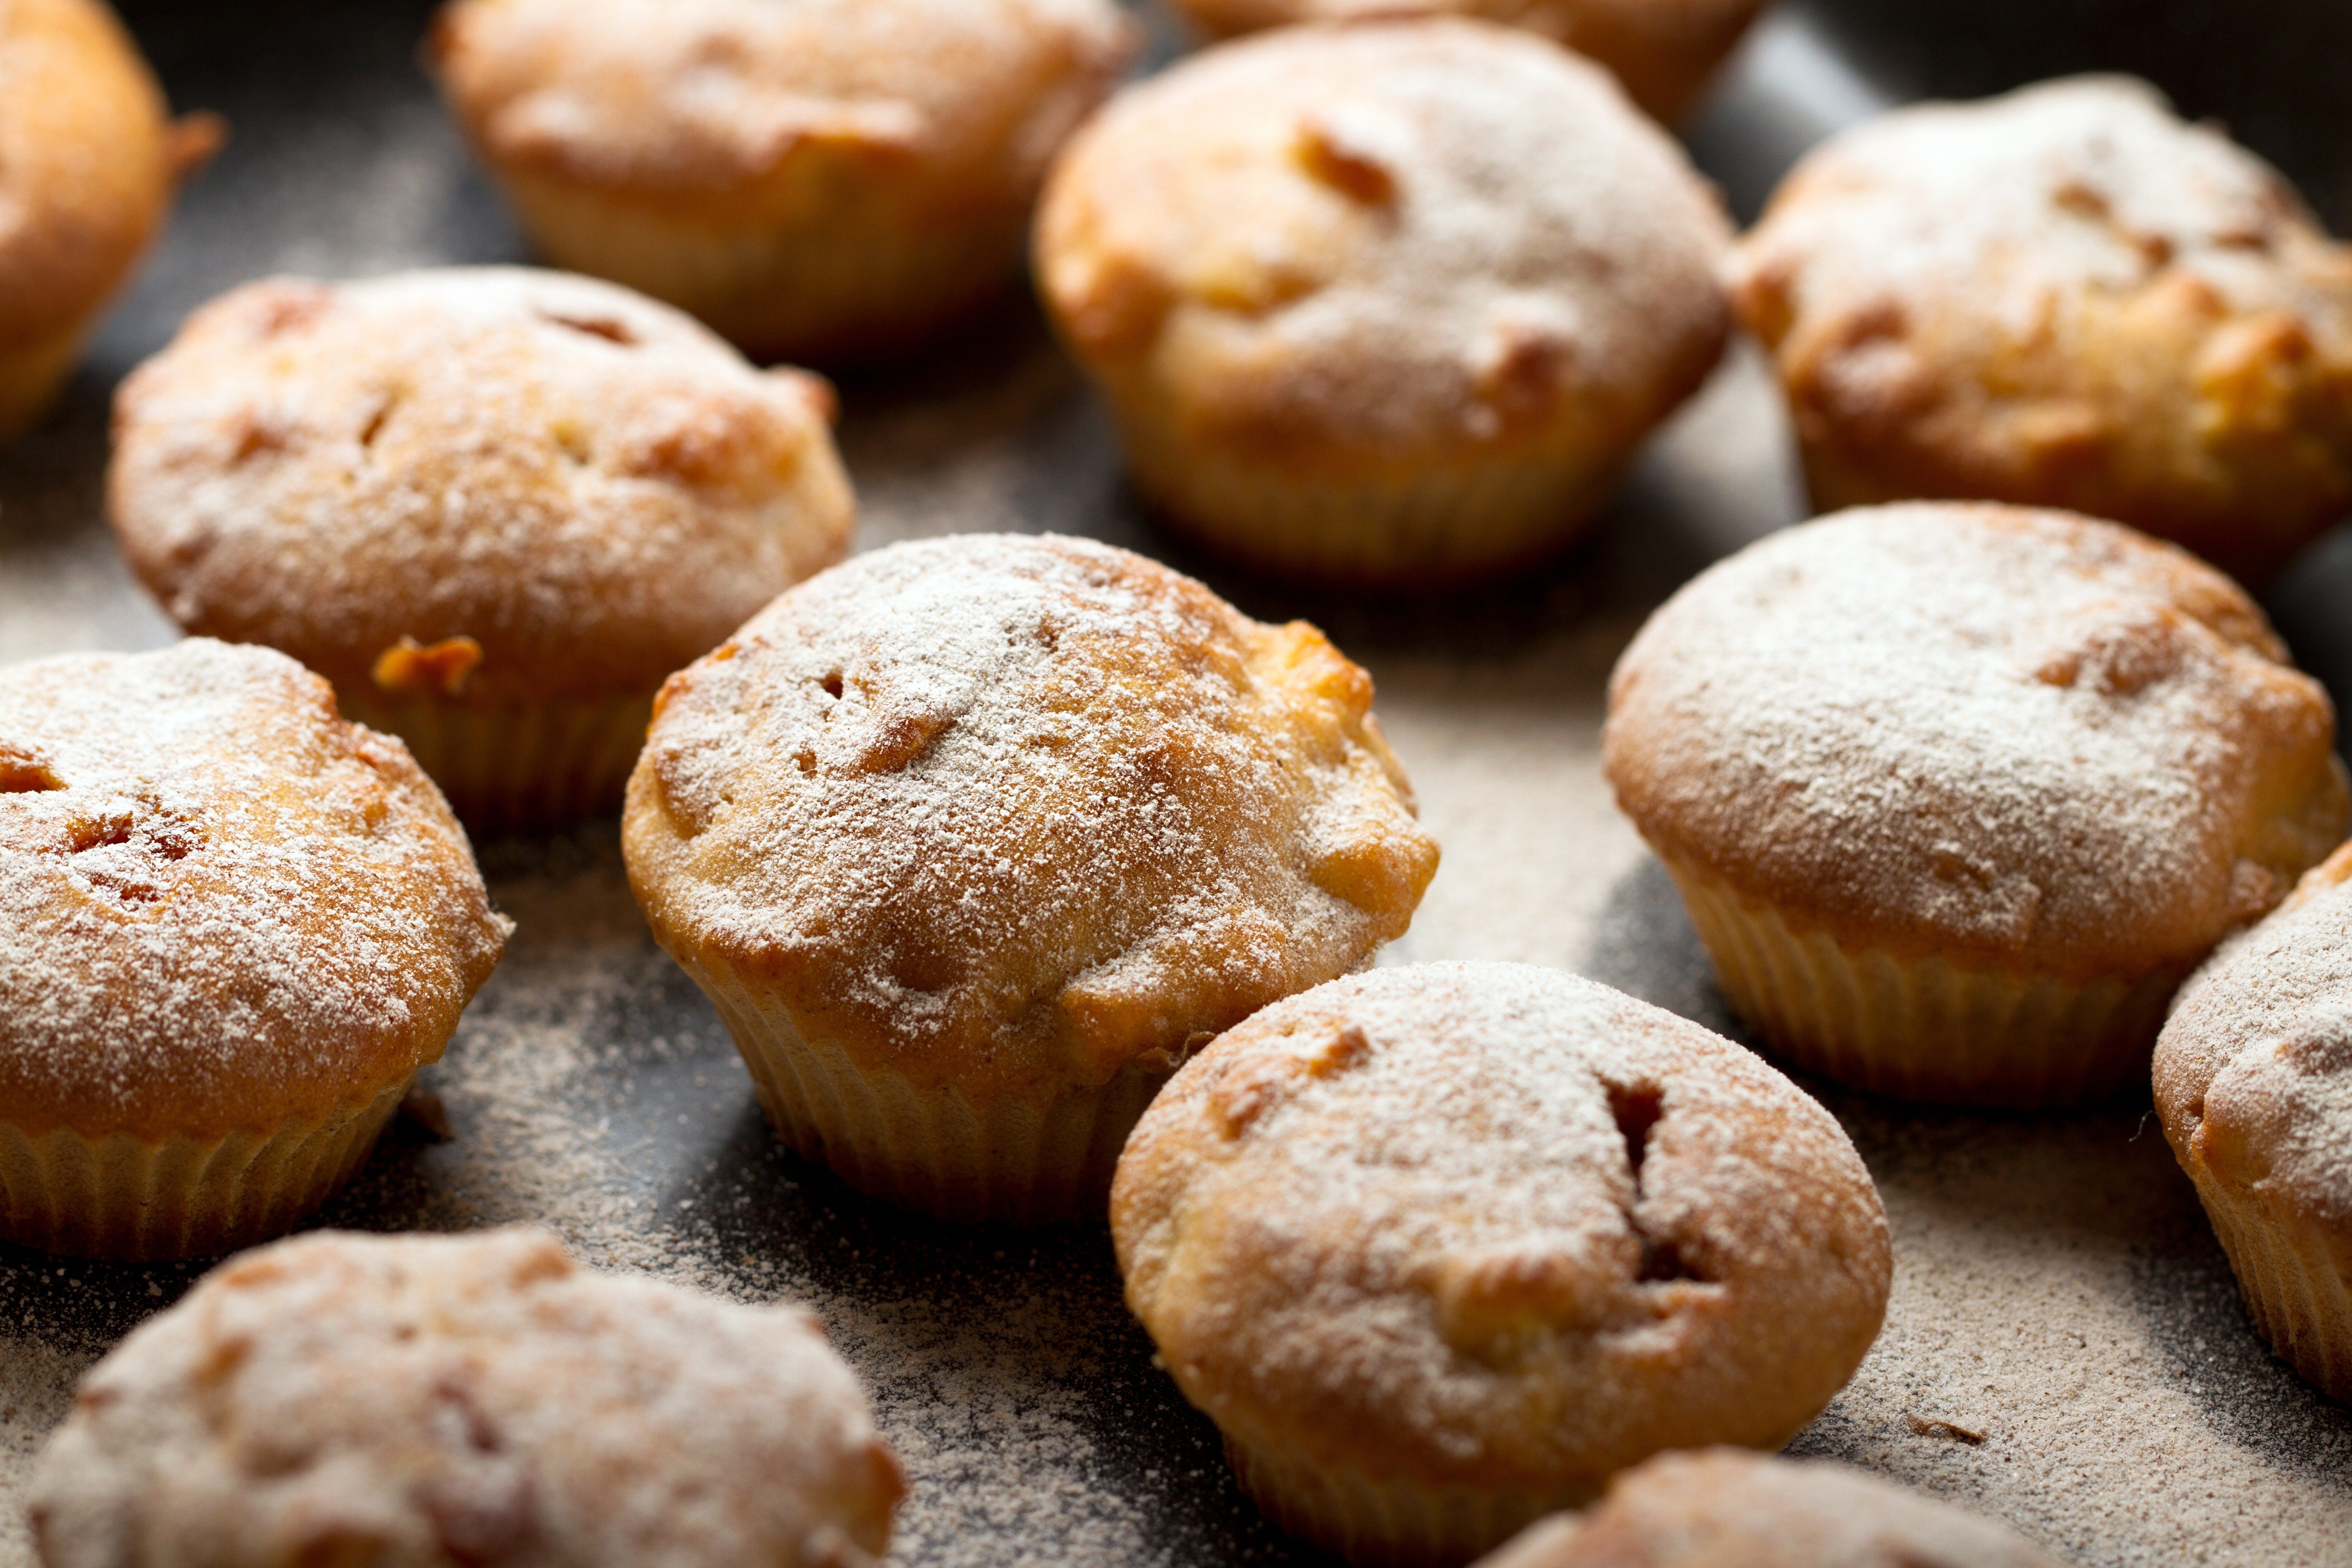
x=823, y=292
x=1386, y=1522
x=516, y=765
x=122, y=1197
x=1925, y=1028
x=31, y=374
x=2291, y=1272
x=1449, y=524
x=1022, y=1161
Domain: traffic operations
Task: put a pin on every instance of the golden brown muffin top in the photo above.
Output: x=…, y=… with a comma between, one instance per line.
x=1662, y=50
x=464, y=1400
x=1392, y=240
x=684, y=102
x=1006, y=813
x=1497, y=1226
x=1726, y=1508
x=88, y=159
x=590, y=487
x=1982, y=732
x=2254, y=1070
x=2064, y=297
x=222, y=908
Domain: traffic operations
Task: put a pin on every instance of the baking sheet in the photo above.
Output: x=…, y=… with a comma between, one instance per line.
x=2065, y=1347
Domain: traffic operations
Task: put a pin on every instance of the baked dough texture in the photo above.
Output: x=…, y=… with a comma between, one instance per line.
x=494, y=506
x=1726, y=1508
x=1663, y=51
x=1959, y=794
x=1387, y=302
x=2064, y=297
x=1442, y=1247
x=88, y=159
x=462, y=1402
x=817, y=179
x=2254, y=1082
x=972, y=840
x=232, y=926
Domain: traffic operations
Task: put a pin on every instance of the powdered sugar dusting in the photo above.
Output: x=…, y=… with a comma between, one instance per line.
x=2260, y=1044
x=1024, y=809
x=589, y=485
x=695, y=95
x=1481, y=1219
x=219, y=905
x=465, y=1399
x=2016, y=734
x=1412, y=233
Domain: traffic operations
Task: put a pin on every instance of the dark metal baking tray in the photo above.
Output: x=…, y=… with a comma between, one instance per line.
x=2058, y=1297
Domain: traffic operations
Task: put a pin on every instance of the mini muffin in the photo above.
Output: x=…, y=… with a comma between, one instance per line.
x=88, y=158
x=971, y=841
x=1384, y=304
x=817, y=179
x=232, y=927
x=495, y=506
x=1958, y=795
x=1662, y=50
x=1442, y=1247
x=2254, y=1082
x=477, y=1400
x=1728, y=1509
x=2064, y=297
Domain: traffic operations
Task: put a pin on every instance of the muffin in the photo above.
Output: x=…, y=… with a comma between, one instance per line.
x=971, y=841
x=495, y=506
x=2064, y=297
x=816, y=179
x=1726, y=1508
x=88, y=159
x=1958, y=795
x=463, y=1400
x=2254, y=1083
x=1662, y=50
x=1384, y=304
x=1442, y=1247
x=232, y=927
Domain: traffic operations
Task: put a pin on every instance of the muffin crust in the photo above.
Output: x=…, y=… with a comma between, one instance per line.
x=1726, y=1508
x=477, y=1400
x=1006, y=814
x=583, y=485
x=2064, y=297
x=1492, y=1229
x=222, y=908
x=1662, y=50
x=1981, y=733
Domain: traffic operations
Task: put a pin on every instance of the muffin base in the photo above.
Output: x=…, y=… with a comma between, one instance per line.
x=1388, y=1523
x=1452, y=525
x=31, y=374
x=825, y=294
x=126, y=1198
x=1925, y=1028
x=516, y=766
x=935, y=1152
x=2291, y=1273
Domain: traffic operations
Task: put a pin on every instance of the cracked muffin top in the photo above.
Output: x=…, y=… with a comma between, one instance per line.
x=221, y=906
x=1006, y=813
x=477, y=1400
x=1497, y=1227
x=557, y=487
